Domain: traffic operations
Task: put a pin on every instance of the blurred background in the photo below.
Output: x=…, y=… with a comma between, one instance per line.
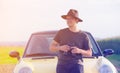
x=20, y=18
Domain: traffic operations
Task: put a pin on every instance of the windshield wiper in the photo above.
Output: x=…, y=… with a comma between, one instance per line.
x=45, y=57
x=39, y=55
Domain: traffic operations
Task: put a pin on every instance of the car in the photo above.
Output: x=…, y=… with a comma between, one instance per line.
x=37, y=57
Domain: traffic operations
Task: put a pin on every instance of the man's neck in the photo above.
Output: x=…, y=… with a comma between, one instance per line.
x=74, y=29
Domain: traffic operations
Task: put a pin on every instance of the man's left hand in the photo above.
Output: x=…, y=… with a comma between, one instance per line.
x=76, y=50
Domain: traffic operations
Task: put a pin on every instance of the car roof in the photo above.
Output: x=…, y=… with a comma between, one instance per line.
x=52, y=32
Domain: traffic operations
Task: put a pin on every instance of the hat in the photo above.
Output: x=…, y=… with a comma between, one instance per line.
x=73, y=13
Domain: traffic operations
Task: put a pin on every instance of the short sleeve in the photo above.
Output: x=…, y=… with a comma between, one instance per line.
x=57, y=37
x=87, y=43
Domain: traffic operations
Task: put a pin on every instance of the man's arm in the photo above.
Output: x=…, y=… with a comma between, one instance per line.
x=81, y=51
x=54, y=47
x=87, y=52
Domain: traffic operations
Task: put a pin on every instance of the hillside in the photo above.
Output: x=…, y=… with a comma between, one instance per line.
x=22, y=43
x=110, y=43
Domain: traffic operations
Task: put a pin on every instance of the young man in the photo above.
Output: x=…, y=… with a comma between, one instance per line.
x=71, y=44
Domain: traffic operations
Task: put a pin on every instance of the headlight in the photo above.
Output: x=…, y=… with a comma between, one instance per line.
x=25, y=70
x=105, y=69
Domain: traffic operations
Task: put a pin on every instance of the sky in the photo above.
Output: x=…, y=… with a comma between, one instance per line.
x=20, y=18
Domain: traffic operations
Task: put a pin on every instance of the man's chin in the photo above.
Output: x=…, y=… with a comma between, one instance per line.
x=70, y=26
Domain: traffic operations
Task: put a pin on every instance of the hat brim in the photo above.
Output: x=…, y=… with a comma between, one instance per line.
x=65, y=17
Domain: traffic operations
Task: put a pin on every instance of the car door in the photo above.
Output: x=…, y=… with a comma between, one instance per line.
x=91, y=63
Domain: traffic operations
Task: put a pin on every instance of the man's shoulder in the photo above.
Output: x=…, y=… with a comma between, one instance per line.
x=63, y=30
x=83, y=33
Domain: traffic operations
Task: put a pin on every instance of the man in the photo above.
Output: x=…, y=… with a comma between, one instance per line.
x=71, y=44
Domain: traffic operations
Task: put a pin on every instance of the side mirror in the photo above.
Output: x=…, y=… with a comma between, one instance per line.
x=107, y=52
x=14, y=54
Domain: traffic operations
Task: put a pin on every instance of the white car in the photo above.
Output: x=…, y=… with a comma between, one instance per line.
x=38, y=59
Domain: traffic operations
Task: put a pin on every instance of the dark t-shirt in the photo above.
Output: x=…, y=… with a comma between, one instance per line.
x=78, y=39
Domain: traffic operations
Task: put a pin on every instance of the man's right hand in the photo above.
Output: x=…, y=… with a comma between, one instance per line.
x=64, y=48
x=56, y=47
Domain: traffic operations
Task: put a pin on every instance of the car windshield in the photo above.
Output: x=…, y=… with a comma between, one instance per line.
x=39, y=46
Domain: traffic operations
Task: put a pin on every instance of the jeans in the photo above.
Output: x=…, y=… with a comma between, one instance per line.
x=70, y=68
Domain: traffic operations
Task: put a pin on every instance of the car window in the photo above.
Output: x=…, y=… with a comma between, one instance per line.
x=95, y=48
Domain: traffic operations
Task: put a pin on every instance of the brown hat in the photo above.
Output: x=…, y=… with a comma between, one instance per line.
x=73, y=13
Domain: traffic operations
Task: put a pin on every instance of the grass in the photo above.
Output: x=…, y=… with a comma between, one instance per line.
x=115, y=59
x=7, y=63
x=4, y=54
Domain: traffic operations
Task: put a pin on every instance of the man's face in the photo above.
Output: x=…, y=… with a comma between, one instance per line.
x=71, y=21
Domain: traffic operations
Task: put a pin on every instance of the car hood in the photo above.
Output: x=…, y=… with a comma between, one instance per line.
x=48, y=64
x=38, y=64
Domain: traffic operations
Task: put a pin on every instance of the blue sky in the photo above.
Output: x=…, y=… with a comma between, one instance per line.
x=20, y=18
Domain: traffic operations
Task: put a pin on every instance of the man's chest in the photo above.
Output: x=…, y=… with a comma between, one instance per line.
x=72, y=40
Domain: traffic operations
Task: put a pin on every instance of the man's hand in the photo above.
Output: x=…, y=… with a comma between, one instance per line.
x=81, y=51
x=76, y=50
x=64, y=48
x=54, y=47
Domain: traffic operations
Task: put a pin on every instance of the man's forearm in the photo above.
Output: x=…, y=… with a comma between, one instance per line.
x=81, y=51
x=86, y=52
x=54, y=48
